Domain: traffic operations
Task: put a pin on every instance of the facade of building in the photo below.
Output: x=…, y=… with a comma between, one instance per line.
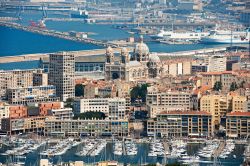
x=92, y=128
x=40, y=78
x=62, y=74
x=177, y=124
x=44, y=107
x=196, y=68
x=32, y=94
x=20, y=79
x=238, y=103
x=247, y=106
x=22, y=125
x=113, y=108
x=210, y=78
x=62, y=113
x=220, y=105
x=238, y=125
x=4, y=111
x=217, y=105
x=158, y=102
x=217, y=64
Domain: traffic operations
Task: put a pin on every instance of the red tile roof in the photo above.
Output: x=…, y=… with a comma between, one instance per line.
x=217, y=73
x=184, y=113
x=238, y=114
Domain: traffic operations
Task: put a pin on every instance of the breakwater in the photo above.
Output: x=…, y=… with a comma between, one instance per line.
x=58, y=34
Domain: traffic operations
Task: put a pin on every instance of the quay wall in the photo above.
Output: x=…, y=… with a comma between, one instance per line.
x=32, y=57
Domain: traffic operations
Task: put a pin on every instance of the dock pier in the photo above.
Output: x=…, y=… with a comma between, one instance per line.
x=218, y=151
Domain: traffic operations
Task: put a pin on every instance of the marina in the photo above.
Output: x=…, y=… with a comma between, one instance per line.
x=125, y=83
x=145, y=151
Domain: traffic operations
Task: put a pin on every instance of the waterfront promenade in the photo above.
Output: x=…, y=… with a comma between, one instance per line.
x=33, y=57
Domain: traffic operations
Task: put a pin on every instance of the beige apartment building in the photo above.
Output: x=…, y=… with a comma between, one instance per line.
x=62, y=74
x=21, y=79
x=217, y=63
x=238, y=103
x=247, y=106
x=238, y=125
x=220, y=105
x=33, y=94
x=159, y=101
x=210, y=78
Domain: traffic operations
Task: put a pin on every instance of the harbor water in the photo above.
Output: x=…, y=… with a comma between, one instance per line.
x=141, y=157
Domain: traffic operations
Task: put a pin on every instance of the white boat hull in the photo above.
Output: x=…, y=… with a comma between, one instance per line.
x=224, y=41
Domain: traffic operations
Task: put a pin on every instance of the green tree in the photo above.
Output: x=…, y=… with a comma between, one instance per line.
x=233, y=86
x=139, y=92
x=90, y=115
x=217, y=86
x=69, y=102
x=242, y=84
x=79, y=90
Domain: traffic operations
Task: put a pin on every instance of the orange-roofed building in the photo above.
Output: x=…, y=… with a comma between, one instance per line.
x=45, y=107
x=181, y=124
x=238, y=125
x=18, y=111
x=210, y=78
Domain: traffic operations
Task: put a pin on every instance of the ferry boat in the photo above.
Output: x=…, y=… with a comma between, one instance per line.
x=227, y=37
x=79, y=14
x=162, y=34
x=180, y=35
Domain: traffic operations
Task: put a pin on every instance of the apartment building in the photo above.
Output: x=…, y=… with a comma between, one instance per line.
x=174, y=68
x=21, y=79
x=62, y=74
x=62, y=113
x=114, y=108
x=238, y=125
x=210, y=78
x=158, y=101
x=220, y=105
x=33, y=94
x=217, y=64
x=44, y=107
x=22, y=125
x=217, y=105
x=176, y=124
x=93, y=128
x=247, y=106
x=238, y=103
x=4, y=111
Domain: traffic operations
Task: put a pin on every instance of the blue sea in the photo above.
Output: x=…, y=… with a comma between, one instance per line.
x=15, y=42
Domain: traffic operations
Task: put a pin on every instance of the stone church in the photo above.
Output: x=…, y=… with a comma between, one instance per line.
x=140, y=66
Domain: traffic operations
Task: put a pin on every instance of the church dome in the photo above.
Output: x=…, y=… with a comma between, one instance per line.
x=109, y=49
x=124, y=50
x=141, y=48
x=154, y=58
